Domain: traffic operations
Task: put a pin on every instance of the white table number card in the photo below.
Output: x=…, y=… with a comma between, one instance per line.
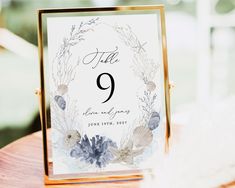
x=106, y=87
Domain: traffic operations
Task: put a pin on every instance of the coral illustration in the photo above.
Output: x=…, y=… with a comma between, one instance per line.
x=94, y=151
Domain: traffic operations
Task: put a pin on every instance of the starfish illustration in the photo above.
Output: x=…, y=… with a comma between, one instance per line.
x=140, y=46
x=126, y=153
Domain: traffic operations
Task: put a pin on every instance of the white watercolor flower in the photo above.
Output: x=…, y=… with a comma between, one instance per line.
x=150, y=86
x=71, y=137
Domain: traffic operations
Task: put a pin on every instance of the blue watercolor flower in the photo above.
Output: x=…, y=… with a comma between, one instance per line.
x=94, y=151
x=154, y=121
x=60, y=101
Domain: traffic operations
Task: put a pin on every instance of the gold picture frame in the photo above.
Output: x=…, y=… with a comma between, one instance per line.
x=50, y=179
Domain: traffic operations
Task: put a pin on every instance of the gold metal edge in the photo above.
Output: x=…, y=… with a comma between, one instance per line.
x=166, y=79
x=42, y=104
x=92, y=9
x=50, y=181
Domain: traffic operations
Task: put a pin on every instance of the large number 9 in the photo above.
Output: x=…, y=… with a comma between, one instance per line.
x=105, y=88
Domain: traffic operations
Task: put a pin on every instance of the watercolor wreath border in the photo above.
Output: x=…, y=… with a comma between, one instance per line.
x=100, y=150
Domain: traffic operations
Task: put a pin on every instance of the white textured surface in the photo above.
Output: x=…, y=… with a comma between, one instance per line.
x=202, y=150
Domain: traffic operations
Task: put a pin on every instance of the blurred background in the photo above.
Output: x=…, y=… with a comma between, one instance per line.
x=201, y=46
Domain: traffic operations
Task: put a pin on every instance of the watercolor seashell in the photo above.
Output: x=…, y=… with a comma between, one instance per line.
x=71, y=137
x=150, y=86
x=60, y=101
x=142, y=136
x=62, y=89
x=154, y=121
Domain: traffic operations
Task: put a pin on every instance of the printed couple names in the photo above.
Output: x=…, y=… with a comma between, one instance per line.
x=111, y=113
